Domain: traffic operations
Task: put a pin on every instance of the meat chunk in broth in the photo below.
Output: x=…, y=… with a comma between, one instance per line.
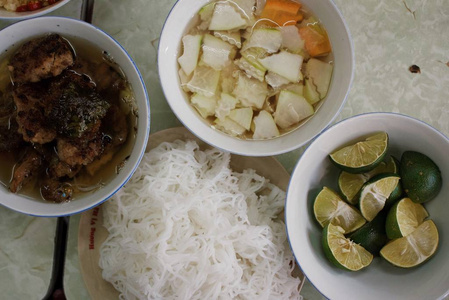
x=107, y=77
x=80, y=151
x=41, y=58
x=10, y=139
x=118, y=128
x=32, y=105
x=60, y=169
x=27, y=167
x=52, y=189
x=75, y=104
x=104, y=75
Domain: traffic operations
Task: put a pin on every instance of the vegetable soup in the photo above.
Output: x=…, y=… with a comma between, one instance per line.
x=256, y=69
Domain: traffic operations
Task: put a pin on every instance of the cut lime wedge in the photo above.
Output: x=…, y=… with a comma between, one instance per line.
x=375, y=192
x=404, y=217
x=393, y=165
x=343, y=252
x=330, y=208
x=413, y=249
x=350, y=184
x=362, y=156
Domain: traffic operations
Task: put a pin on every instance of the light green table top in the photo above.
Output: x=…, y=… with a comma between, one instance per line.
x=388, y=36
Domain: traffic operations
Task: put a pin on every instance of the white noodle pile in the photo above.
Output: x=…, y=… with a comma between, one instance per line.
x=187, y=227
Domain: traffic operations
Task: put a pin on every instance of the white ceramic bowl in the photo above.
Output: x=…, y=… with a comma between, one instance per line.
x=21, y=31
x=14, y=16
x=169, y=50
x=380, y=280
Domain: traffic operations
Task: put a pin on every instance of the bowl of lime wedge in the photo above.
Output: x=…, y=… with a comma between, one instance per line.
x=366, y=209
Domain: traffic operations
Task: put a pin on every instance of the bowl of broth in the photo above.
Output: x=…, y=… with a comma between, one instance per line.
x=74, y=116
x=255, y=77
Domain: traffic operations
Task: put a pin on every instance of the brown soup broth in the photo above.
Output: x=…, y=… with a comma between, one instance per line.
x=83, y=183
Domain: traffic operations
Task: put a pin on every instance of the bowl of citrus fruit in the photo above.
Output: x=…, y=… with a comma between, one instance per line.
x=366, y=209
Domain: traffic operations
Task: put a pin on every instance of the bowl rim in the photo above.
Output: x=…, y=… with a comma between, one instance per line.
x=15, y=16
x=336, y=125
x=257, y=147
x=146, y=112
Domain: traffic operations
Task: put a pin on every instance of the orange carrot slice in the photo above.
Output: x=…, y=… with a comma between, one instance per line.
x=316, y=43
x=282, y=12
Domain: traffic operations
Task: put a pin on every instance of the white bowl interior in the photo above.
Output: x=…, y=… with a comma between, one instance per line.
x=19, y=32
x=169, y=47
x=11, y=15
x=380, y=280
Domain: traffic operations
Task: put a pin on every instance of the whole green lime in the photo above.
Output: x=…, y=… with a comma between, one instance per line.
x=372, y=235
x=421, y=177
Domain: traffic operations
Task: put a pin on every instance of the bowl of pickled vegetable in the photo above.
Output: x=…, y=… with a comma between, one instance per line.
x=255, y=77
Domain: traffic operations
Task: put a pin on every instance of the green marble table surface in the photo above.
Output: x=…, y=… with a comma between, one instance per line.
x=388, y=36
